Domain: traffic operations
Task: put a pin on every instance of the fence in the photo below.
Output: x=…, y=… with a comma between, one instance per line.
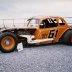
x=68, y=20
x=8, y=23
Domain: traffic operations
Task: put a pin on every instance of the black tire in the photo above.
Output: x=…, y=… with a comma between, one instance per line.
x=67, y=38
x=11, y=39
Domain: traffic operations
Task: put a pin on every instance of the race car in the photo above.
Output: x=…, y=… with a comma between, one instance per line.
x=38, y=30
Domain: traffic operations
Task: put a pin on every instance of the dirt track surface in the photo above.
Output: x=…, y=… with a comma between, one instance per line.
x=47, y=58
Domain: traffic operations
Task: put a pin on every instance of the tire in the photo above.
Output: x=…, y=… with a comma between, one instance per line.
x=67, y=38
x=8, y=42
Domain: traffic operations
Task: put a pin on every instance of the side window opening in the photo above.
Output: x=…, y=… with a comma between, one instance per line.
x=61, y=22
x=47, y=23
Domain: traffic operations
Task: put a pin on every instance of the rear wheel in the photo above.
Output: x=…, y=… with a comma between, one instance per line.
x=8, y=42
x=67, y=38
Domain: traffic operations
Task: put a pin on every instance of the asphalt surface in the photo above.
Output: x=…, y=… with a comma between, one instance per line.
x=47, y=58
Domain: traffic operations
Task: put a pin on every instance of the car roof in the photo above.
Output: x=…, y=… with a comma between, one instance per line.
x=44, y=17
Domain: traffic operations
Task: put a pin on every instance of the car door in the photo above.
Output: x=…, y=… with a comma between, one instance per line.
x=48, y=28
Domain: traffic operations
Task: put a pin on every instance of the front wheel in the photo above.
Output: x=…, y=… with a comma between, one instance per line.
x=8, y=42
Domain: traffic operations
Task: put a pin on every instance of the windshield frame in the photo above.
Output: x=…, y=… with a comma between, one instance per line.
x=29, y=20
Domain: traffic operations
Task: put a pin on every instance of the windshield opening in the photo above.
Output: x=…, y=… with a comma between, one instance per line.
x=33, y=22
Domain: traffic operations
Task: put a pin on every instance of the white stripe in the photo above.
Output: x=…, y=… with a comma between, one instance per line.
x=30, y=37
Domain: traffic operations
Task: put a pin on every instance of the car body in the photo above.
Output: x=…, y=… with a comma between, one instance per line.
x=38, y=30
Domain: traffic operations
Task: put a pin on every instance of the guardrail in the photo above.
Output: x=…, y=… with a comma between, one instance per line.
x=13, y=22
x=68, y=20
x=23, y=22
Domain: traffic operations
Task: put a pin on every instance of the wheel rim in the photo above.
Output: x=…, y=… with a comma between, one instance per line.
x=8, y=43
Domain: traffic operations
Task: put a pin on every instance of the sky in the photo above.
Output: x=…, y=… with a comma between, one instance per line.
x=30, y=8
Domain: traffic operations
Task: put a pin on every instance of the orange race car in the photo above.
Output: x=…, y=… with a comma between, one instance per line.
x=38, y=30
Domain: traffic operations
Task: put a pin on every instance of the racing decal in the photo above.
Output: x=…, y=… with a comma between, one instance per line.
x=56, y=33
x=53, y=33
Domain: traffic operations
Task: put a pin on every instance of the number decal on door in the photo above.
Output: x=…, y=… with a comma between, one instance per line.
x=53, y=33
x=56, y=33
